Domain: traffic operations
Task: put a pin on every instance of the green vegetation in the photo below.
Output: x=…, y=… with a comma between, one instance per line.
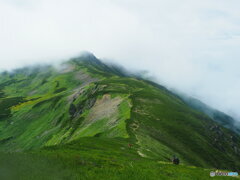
x=87, y=120
x=93, y=158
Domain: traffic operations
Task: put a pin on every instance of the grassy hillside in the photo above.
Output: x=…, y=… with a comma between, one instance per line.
x=93, y=158
x=79, y=119
x=216, y=115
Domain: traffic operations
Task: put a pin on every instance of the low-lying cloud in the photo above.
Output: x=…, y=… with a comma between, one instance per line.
x=189, y=45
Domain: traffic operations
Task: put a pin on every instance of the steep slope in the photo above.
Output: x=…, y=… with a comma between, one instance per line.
x=48, y=107
x=216, y=115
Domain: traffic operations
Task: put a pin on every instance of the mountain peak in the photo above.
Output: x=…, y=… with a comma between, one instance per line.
x=89, y=104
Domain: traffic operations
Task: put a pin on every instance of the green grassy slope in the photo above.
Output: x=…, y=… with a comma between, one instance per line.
x=81, y=116
x=216, y=115
x=93, y=158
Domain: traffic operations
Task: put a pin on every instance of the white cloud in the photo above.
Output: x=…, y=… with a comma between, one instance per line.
x=189, y=45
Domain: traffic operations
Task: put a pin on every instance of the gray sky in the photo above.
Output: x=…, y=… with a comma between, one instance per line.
x=189, y=45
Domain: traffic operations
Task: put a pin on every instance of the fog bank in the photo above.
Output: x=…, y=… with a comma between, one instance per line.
x=188, y=45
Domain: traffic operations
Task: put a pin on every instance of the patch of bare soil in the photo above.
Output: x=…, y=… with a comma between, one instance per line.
x=76, y=92
x=106, y=107
x=85, y=78
x=66, y=68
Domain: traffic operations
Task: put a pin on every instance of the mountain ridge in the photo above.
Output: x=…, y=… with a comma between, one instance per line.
x=86, y=98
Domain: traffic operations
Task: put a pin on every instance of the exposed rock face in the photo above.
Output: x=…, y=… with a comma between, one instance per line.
x=90, y=102
x=85, y=78
x=104, y=108
x=220, y=136
x=72, y=110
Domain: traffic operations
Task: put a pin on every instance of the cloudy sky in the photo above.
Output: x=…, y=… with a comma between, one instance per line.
x=189, y=45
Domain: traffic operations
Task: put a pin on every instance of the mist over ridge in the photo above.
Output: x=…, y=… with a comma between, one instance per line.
x=188, y=46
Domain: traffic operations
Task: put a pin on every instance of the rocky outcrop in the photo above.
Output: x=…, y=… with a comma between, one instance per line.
x=72, y=110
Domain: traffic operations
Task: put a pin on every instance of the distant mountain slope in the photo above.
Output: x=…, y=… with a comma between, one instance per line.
x=47, y=106
x=216, y=115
